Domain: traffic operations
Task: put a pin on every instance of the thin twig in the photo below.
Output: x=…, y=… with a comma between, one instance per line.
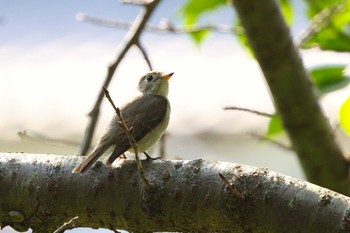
x=131, y=139
x=231, y=186
x=66, y=225
x=145, y=55
x=249, y=110
x=24, y=135
x=136, y=2
x=165, y=26
x=130, y=39
x=318, y=22
x=162, y=145
x=274, y=142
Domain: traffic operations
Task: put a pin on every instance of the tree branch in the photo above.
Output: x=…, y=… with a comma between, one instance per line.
x=293, y=95
x=29, y=135
x=131, y=38
x=39, y=191
x=165, y=26
x=145, y=55
x=319, y=22
x=131, y=139
x=66, y=225
x=270, y=140
x=259, y=113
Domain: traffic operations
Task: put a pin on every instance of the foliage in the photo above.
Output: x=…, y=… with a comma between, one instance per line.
x=331, y=21
x=325, y=79
x=328, y=30
x=192, y=10
x=344, y=116
x=329, y=78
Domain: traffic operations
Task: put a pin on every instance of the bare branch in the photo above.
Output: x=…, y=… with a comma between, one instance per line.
x=231, y=186
x=131, y=139
x=136, y=2
x=25, y=135
x=165, y=26
x=116, y=199
x=162, y=145
x=131, y=38
x=66, y=225
x=270, y=140
x=249, y=110
x=145, y=55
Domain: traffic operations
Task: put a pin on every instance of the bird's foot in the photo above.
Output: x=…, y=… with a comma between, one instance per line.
x=149, y=157
x=122, y=156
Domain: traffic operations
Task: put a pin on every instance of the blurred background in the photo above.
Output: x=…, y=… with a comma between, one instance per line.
x=52, y=67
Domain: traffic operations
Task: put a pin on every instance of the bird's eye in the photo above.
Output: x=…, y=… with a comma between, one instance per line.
x=149, y=78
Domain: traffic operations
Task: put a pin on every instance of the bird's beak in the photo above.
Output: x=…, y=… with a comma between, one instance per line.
x=168, y=76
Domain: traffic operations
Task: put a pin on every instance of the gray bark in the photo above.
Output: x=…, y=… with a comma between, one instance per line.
x=39, y=191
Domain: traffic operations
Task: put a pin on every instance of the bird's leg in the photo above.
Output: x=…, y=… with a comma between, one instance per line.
x=122, y=156
x=149, y=157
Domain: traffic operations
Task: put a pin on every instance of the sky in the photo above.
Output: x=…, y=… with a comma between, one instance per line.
x=52, y=67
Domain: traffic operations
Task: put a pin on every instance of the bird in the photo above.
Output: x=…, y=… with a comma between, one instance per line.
x=147, y=117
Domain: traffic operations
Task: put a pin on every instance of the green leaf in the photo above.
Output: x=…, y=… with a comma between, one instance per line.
x=199, y=36
x=315, y=6
x=344, y=116
x=275, y=126
x=242, y=38
x=193, y=9
x=287, y=10
x=329, y=78
x=330, y=25
x=191, y=12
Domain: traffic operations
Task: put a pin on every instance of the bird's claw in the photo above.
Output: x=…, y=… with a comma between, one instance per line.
x=149, y=157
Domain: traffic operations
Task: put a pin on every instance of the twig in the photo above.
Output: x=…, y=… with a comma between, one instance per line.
x=145, y=55
x=136, y=2
x=24, y=135
x=130, y=39
x=162, y=145
x=131, y=139
x=249, y=110
x=66, y=225
x=231, y=186
x=274, y=142
x=165, y=26
x=318, y=22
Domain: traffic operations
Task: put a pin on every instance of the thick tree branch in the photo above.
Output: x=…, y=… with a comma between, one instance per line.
x=39, y=191
x=131, y=38
x=293, y=95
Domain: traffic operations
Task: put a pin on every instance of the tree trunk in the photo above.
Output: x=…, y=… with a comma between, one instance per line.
x=293, y=94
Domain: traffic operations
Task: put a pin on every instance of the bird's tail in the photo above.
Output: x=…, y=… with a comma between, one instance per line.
x=91, y=158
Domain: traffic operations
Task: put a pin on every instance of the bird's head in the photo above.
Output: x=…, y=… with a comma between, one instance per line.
x=154, y=83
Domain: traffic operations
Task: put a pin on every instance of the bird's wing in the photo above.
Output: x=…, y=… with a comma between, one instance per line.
x=141, y=116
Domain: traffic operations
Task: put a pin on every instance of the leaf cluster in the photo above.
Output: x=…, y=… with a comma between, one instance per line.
x=328, y=29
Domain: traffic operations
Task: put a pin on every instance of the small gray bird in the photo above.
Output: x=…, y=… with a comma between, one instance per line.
x=147, y=116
